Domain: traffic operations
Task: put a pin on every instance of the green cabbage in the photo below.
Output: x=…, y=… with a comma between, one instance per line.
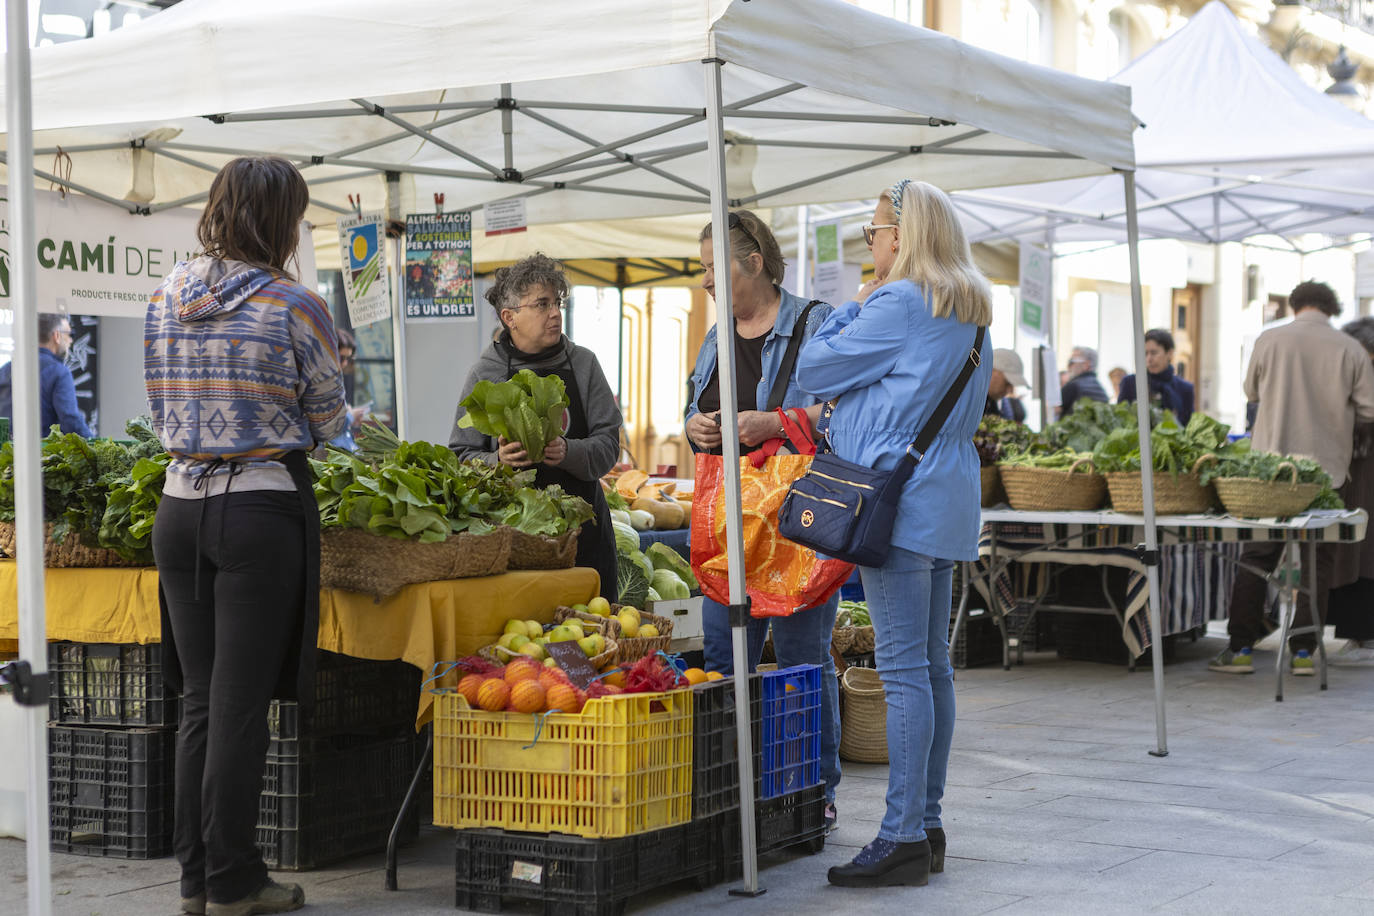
x=665, y=557
x=626, y=538
x=667, y=584
x=632, y=585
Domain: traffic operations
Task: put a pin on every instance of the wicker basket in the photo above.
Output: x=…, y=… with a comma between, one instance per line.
x=355, y=560
x=992, y=486
x=1251, y=497
x=69, y=552
x=1050, y=490
x=633, y=649
x=863, y=728
x=499, y=656
x=841, y=638
x=537, y=551
x=1181, y=494
x=863, y=641
x=590, y=622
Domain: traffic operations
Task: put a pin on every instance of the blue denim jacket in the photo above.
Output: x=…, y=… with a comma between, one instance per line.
x=773, y=349
x=890, y=365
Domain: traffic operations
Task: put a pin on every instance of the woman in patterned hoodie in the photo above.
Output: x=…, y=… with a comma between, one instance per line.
x=243, y=380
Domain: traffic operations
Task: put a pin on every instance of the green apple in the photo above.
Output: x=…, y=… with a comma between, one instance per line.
x=575, y=626
x=533, y=628
x=561, y=634
x=592, y=645
x=515, y=626
x=505, y=641
x=533, y=650
x=599, y=606
x=580, y=608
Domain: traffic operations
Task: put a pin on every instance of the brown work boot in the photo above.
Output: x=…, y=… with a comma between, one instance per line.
x=270, y=898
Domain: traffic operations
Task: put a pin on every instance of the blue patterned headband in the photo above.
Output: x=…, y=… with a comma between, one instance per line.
x=894, y=194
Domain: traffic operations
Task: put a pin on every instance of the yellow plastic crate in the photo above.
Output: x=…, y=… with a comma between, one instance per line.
x=622, y=766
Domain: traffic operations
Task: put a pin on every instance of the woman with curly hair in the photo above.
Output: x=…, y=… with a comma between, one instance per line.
x=528, y=297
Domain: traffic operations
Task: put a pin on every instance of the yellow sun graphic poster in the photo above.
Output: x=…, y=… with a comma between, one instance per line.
x=362, y=240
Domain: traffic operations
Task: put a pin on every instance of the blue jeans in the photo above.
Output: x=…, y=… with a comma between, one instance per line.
x=801, y=639
x=909, y=600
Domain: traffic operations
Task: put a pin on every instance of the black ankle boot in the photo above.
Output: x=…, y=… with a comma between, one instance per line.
x=907, y=864
x=936, y=837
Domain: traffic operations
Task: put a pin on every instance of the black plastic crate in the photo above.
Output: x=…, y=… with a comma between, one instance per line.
x=351, y=695
x=795, y=821
x=575, y=875
x=1097, y=638
x=327, y=799
x=109, y=684
x=110, y=790
x=979, y=642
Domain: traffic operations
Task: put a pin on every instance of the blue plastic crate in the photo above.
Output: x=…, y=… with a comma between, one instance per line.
x=853, y=587
x=790, y=730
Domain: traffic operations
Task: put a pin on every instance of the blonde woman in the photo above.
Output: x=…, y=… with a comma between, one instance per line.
x=889, y=357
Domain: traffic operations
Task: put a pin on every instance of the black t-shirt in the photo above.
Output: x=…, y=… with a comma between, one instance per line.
x=748, y=372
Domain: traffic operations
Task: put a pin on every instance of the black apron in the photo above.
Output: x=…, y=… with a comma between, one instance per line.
x=296, y=680
x=596, y=539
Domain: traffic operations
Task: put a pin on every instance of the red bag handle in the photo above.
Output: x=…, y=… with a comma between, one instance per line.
x=797, y=432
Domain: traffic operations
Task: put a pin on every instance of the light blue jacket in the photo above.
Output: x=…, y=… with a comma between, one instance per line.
x=890, y=364
x=789, y=309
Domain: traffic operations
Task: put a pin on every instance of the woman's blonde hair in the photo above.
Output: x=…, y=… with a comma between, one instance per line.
x=933, y=253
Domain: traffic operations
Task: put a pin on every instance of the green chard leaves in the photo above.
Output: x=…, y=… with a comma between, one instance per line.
x=527, y=409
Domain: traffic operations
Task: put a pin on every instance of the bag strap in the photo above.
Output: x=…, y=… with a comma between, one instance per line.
x=917, y=450
x=789, y=358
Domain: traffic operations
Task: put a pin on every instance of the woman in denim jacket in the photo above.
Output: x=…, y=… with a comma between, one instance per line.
x=889, y=358
x=765, y=318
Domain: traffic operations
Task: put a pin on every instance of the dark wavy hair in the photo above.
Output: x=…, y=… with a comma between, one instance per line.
x=1314, y=294
x=254, y=212
x=510, y=283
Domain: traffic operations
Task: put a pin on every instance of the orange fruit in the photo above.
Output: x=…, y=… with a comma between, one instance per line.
x=552, y=677
x=468, y=687
x=565, y=698
x=714, y=676
x=695, y=676
x=615, y=679
x=493, y=694
x=523, y=669
x=527, y=696
x=613, y=689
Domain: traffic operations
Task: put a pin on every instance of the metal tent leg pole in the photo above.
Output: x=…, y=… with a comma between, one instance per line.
x=1318, y=618
x=1287, y=575
x=734, y=518
x=1150, y=553
x=28, y=493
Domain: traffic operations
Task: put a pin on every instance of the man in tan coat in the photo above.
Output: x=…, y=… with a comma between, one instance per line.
x=1313, y=384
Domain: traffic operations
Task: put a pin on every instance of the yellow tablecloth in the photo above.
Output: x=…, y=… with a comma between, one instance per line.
x=422, y=624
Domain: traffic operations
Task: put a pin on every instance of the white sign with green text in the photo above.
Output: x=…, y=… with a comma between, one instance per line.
x=1033, y=305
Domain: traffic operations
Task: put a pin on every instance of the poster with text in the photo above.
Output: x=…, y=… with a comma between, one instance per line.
x=1032, y=312
x=438, y=277
x=362, y=238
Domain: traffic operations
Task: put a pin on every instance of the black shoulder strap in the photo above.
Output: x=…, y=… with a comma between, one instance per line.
x=789, y=358
x=937, y=419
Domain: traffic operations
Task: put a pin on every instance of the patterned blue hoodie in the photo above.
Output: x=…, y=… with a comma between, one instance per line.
x=238, y=365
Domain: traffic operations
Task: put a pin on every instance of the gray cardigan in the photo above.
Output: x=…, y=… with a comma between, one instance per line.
x=589, y=458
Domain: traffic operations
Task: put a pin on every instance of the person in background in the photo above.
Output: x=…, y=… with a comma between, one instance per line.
x=1082, y=381
x=766, y=317
x=348, y=349
x=1166, y=388
x=1008, y=374
x=1314, y=385
x=1351, y=599
x=528, y=298
x=243, y=381
x=889, y=358
x=1115, y=376
x=56, y=387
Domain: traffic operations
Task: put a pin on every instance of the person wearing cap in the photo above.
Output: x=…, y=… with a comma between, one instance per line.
x=1008, y=374
x=1166, y=389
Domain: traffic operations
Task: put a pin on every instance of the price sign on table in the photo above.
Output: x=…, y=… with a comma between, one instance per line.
x=573, y=661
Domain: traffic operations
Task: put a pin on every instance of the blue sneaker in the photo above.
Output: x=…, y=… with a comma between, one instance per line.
x=1302, y=664
x=1238, y=662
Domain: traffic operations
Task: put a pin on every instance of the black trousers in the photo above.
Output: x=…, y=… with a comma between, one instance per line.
x=230, y=568
x=1246, y=625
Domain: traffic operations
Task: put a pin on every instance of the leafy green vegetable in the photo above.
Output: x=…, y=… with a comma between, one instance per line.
x=632, y=584
x=1240, y=460
x=1092, y=421
x=527, y=409
x=614, y=500
x=854, y=614
x=1174, y=449
x=998, y=437
x=131, y=509
x=668, y=585
x=664, y=557
x=1040, y=457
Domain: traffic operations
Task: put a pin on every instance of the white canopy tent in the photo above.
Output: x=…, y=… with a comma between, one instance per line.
x=602, y=109
x=1233, y=145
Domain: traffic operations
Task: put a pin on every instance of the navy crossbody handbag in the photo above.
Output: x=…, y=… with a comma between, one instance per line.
x=845, y=510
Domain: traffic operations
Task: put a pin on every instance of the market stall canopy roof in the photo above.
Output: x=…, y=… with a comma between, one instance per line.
x=590, y=110
x=1234, y=145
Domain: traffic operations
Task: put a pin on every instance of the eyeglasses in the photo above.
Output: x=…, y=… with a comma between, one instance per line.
x=871, y=231
x=543, y=306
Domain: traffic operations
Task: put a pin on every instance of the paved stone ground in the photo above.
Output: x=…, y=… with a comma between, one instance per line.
x=1054, y=807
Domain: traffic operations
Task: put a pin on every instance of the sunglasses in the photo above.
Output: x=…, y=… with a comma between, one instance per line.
x=871, y=231
x=736, y=223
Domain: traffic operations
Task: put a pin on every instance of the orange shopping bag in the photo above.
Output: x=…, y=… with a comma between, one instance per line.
x=781, y=577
